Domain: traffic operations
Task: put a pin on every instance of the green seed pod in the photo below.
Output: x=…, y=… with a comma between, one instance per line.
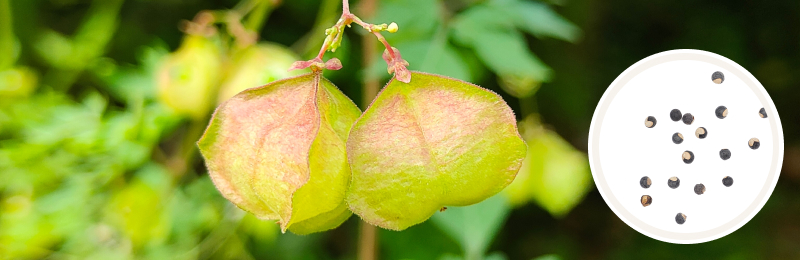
x=699, y=189
x=701, y=132
x=646, y=200
x=674, y=182
x=725, y=154
x=17, y=82
x=677, y=138
x=680, y=218
x=717, y=77
x=188, y=78
x=721, y=112
x=255, y=66
x=688, y=118
x=688, y=157
x=762, y=113
x=675, y=115
x=754, y=143
x=650, y=122
x=645, y=182
x=727, y=181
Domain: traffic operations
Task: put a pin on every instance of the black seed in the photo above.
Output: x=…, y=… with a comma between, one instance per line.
x=646, y=200
x=645, y=182
x=680, y=218
x=675, y=115
x=721, y=112
x=701, y=132
x=677, y=138
x=699, y=189
x=754, y=143
x=650, y=122
x=717, y=77
x=727, y=181
x=688, y=118
x=674, y=182
x=688, y=157
x=725, y=154
x=762, y=113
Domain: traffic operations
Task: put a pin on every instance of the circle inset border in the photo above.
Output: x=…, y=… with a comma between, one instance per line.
x=641, y=226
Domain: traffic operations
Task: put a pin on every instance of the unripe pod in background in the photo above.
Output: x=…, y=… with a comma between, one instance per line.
x=188, y=77
x=254, y=66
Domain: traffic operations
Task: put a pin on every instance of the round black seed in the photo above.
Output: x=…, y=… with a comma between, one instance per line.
x=727, y=181
x=699, y=189
x=762, y=113
x=677, y=138
x=646, y=200
x=721, y=112
x=680, y=218
x=675, y=115
x=688, y=157
x=650, y=122
x=688, y=118
x=754, y=143
x=701, y=132
x=717, y=77
x=645, y=182
x=674, y=182
x=725, y=154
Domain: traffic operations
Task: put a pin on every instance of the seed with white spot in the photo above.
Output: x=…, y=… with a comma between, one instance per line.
x=725, y=154
x=717, y=77
x=762, y=113
x=680, y=218
x=727, y=181
x=688, y=118
x=645, y=182
x=674, y=182
x=677, y=138
x=688, y=157
x=701, y=132
x=650, y=122
x=754, y=143
x=721, y=112
x=675, y=115
x=699, y=189
x=646, y=200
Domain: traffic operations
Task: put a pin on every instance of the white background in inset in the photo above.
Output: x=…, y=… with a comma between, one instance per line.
x=629, y=150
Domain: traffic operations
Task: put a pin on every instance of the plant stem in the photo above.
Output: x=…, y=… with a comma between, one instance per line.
x=346, y=19
x=255, y=21
x=7, y=53
x=367, y=242
x=368, y=238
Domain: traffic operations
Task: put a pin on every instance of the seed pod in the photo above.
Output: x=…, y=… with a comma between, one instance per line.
x=725, y=154
x=675, y=115
x=674, y=182
x=254, y=66
x=688, y=157
x=677, y=138
x=701, y=132
x=680, y=218
x=646, y=200
x=754, y=143
x=762, y=113
x=650, y=122
x=699, y=189
x=721, y=112
x=717, y=77
x=727, y=181
x=645, y=182
x=688, y=118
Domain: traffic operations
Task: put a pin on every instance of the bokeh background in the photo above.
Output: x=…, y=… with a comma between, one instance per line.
x=101, y=102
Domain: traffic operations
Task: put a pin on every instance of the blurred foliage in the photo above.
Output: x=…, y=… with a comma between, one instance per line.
x=94, y=165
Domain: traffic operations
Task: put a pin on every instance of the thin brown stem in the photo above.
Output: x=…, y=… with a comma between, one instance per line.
x=367, y=242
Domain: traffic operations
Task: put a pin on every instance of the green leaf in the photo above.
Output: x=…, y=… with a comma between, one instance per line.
x=548, y=257
x=278, y=151
x=474, y=227
x=431, y=143
x=554, y=173
x=538, y=19
x=498, y=44
x=417, y=18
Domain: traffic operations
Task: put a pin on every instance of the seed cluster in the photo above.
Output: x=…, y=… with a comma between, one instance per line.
x=687, y=156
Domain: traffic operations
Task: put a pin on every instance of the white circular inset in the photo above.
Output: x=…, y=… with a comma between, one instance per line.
x=624, y=146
